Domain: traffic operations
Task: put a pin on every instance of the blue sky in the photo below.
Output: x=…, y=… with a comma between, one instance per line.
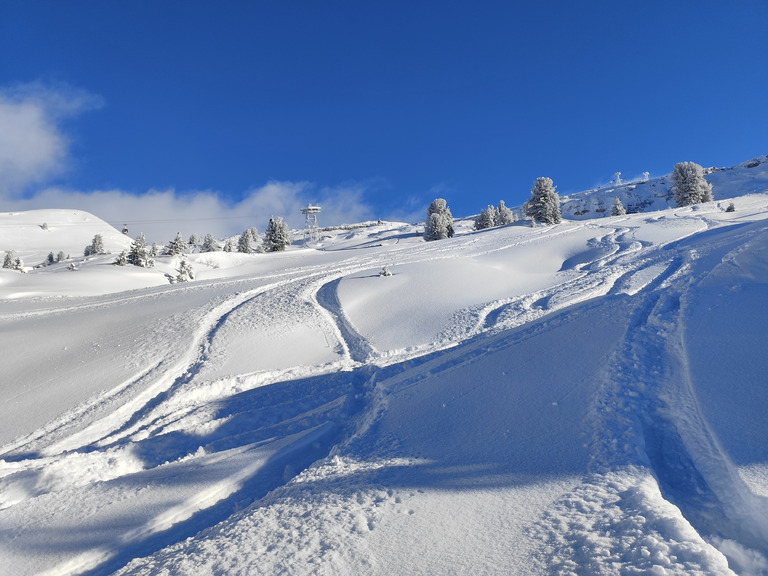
x=223, y=113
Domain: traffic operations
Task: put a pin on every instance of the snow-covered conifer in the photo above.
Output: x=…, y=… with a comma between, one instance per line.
x=52, y=258
x=503, y=214
x=486, y=219
x=122, y=259
x=618, y=207
x=177, y=246
x=185, y=271
x=60, y=257
x=138, y=253
x=688, y=184
x=154, y=250
x=95, y=247
x=277, y=236
x=193, y=240
x=439, y=222
x=10, y=257
x=229, y=246
x=244, y=243
x=210, y=244
x=544, y=203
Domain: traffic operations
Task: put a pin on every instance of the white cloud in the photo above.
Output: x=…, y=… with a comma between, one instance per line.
x=162, y=213
x=33, y=148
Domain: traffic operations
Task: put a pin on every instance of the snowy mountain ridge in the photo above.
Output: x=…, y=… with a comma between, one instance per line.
x=586, y=398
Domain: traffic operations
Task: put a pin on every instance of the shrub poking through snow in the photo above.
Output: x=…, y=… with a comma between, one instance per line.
x=439, y=222
x=731, y=208
x=688, y=184
x=277, y=236
x=385, y=271
x=544, y=203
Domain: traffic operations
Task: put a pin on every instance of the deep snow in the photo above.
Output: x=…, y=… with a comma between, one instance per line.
x=583, y=398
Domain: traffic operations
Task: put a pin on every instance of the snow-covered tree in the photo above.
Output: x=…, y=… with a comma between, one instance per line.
x=52, y=258
x=486, y=219
x=439, y=222
x=229, y=246
x=688, y=184
x=277, y=236
x=122, y=259
x=13, y=262
x=503, y=214
x=193, y=240
x=731, y=208
x=185, y=271
x=138, y=253
x=245, y=241
x=9, y=256
x=177, y=246
x=618, y=207
x=95, y=247
x=60, y=257
x=210, y=244
x=154, y=250
x=544, y=203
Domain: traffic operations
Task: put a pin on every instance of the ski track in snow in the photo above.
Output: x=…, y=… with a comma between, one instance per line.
x=248, y=438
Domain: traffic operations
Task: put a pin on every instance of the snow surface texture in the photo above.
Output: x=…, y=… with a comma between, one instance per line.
x=585, y=398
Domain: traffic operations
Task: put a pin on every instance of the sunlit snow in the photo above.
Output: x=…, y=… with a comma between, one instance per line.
x=584, y=398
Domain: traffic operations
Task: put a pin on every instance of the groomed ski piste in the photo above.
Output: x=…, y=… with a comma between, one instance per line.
x=583, y=398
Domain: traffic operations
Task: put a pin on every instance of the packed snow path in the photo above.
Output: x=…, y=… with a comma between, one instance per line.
x=517, y=400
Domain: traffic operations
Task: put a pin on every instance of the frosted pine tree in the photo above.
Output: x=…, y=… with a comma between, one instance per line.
x=439, y=222
x=503, y=214
x=277, y=236
x=244, y=243
x=193, y=240
x=544, y=203
x=10, y=257
x=122, y=259
x=95, y=247
x=229, y=245
x=177, y=246
x=185, y=271
x=138, y=253
x=688, y=184
x=486, y=219
x=618, y=207
x=210, y=244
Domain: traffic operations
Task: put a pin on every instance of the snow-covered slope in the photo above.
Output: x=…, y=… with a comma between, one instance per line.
x=583, y=398
x=655, y=194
